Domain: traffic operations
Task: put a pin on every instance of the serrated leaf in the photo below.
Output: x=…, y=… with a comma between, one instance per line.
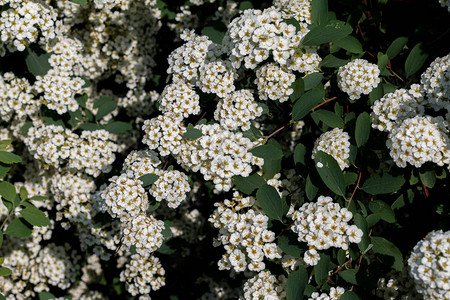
x=396, y=47
x=9, y=158
x=5, y=271
x=321, y=34
x=329, y=118
x=248, y=184
x=321, y=269
x=385, y=247
x=415, y=60
x=267, y=152
x=299, y=154
x=349, y=43
x=36, y=63
x=362, y=129
x=361, y=223
x=19, y=228
x=7, y=190
x=299, y=88
x=296, y=283
x=330, y=172
x=35, y=217
x=331, y=61
x=319, y=11
x=192, y=133
x=148, y=179
x=306, y=102
x=289, y=244
x=118, y=127
x=384, y=184
x=311, y=80
x=270, y=202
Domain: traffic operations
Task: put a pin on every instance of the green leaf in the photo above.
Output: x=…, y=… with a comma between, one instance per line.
x=192, y=133
x=362, y=129
x=376, y=94
x=349, y=295
x=9, y=158
x=153, y=206
x=349, y=43
x=299, y=154
x=23, y=193
x=322, y=34
x=4, y=144
x=289, y=244
x=296, y=283
x=37, y=64
x=321, y=269
x=81, y=100
x=19, y=228
x=35, y=217
x=105, y=109
x=38, y=198
x=248, y=184
x=385, y=247
x=253, y=133
x=267, y=152
x=310, y=189
x=396, y=47
x=90, y=126
x=330, y=172
x=331, y=61
x=271, y=167
x=148, y=179
x=361, y=223
x=350, y=178
x=428, y=178
x=81, y=2
x=319, y=12
x=215, y=31
x=299, y=88
x=306, y=102
x=382, y=61
x=270, y=202
x=349, y=276
x=294, y=22
x=118, y=127
x=329, y=118
x=415, y=60
x=7, y=190
x=5, y=271
x=245, y=5
x=383, y=210
x=384, y=184
x=75, y=118
x=47, y=295
x=166, y=232
x=311, y=80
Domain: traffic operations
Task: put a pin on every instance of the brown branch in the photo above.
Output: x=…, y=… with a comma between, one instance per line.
x=323, y=103
x=338, y=269
x=356, y=187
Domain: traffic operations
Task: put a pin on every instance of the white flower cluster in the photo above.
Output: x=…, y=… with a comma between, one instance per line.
x=164, y=133
x=336, y=143
x=179, y=100
x=143, y=274
x=358, y=77
x=324, y=224
x=335, y=293
x=430, y=265
x=236, y=110
x=299, y=9
x=435, y=83
x=16, y=97
x=265, y=286
x=108, y=4
x=217, y=77
x=445, y=3
x=245, y=236
x=274, y=82
x=396, y=285
x=171, y=186
x=218, y=154
x=24, y=21
x=65, y=55
x=142, y=162
x=143, y=232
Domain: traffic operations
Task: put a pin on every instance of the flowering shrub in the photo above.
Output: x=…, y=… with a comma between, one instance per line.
x=270, y=150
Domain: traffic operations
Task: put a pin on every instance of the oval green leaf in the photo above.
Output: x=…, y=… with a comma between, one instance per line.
x=362, y=129
x=9, y=158
x=415, y=60
x=19, y=228
x=267, y=152
x=330, y=172
x=396, y=47
x=248, y=184
x=7, y=191
x=349, y=43
x=329, y=118
x=332, y=31
x=306, y=102
x=35, y=217
x=270, y=202
x=384, y=184
x=296, y=283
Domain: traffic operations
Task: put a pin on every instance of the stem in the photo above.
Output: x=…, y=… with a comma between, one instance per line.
x=201, y=118
x=325, y=102
x=7, y=217
x=338, y=269
x=269, y=136
x=354, y=190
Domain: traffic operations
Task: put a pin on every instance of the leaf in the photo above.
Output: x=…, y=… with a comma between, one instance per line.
x=306, y=102
x=382, y=61
x=385, y=247
x=349, y=43
x=5, y=271
x=329, y=118
x=362, y=129
x=383, y=210
x=90, y=126
x=38, y=198
x=349, y=276
x=46, y=295
x=81, y=100
x=312, y=80
x=35, y=217
x=376, y=94
x=330, y=172
x=19, y=228
x=319, y=11
x=192, y=133
x=253, y=133
x=396, y=47
x=296, y=283
x=270, y=202
x=331, y=61
x=81, y=2
x=7, y=190
x=289, y=244
x=148, y=179
x=350, y=178
x=321, y=269
x=166, y=232
x=415, y=60
x=310, y=189
x=23, y=193
x=37, y=64
x=75, y=118
x=349, y=295
x=267, y=152
x=428, y=178
x=384, y=184
x=361, y=223
x=248, y=184
x=245, y=5
x=322, y=34
x=105, y=109
x=9, y=158
x=215, y=31
x=294, y=22
x=4, y=144
x=118, y=127
x=299, y=88
x=299, y=154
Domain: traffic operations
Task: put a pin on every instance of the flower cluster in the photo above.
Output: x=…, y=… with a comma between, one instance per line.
x=358, y=77
x=16, y=97
x=300, y=9
x=274, y=82
x=265, y=286
x=435, y=83
x=164, y=133
x=179, y=100
x=396, y=285
x=335, y=293
x=324, y=224
x=143, y=232
x=430, y=266
x=336, y=143
x=171, y=186
x=217, y=77
x=245, y=235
